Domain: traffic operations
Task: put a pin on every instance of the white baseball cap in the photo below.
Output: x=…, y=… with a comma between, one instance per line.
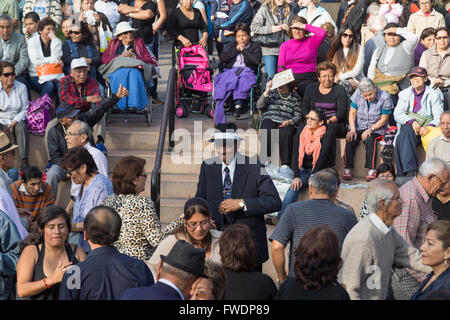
x=78, y=63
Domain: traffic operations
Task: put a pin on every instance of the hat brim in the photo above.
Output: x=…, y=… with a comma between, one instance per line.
x=416, y=74
x=116, y=34
x=182, y=267
x=10, y=148
x=71, y=114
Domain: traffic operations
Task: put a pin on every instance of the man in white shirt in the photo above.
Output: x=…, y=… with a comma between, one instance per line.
x=31, y=21
x=7, y=157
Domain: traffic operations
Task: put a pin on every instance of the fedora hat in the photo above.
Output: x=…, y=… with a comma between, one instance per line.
x=186, y=257
x=5, y=144
x=226, y=131
x=123, y=27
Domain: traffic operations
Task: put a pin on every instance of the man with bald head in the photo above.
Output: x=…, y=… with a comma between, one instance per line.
x=106, y=273
x=440, y=146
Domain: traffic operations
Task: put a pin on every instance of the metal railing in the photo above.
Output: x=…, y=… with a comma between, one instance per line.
x=168, y=117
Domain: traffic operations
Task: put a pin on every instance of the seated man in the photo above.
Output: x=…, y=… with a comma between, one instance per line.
x=13, y=49
x=14, y=106
x=31, y=21
x=418, y=106
x=7, y=156
x=439, y=147
x=56, y=143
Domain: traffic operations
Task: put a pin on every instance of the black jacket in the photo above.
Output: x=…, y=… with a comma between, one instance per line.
x=56, y=141
x=252, y=56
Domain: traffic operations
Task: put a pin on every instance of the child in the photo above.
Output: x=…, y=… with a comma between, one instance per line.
x=391, y=11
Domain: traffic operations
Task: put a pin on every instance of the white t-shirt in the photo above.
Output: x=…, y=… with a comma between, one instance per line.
x=111, y=10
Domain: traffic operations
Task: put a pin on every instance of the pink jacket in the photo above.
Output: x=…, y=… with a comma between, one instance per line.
x=301, y=55
x=139, y=48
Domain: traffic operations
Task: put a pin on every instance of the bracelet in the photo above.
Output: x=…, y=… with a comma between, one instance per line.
x=131, y=15
x=45, y=283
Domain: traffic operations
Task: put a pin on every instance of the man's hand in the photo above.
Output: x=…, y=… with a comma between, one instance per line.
x=366, y=134
x=351, y=135
x=23, y=213
x=229, y=205
x=438, y=83
x=93, y=99
x=122, y=92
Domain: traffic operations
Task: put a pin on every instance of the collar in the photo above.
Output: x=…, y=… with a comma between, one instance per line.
x=24, y=190
x=379, y=223
x=13, y=87
x=7, y=41
x=436, y=53
x=444, y=138
x=170, y=284
x=231, y=166
x=102, y=250
x=418, y=94
x=421, y=190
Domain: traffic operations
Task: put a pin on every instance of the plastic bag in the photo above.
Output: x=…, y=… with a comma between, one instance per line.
x=49, y=69
x=105, y=37
x=432, y=133
x=38, y=115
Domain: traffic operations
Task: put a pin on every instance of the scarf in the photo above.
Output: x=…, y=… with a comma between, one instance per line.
x=310, y=144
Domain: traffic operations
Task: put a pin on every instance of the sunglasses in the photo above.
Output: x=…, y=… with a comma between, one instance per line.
x=442, y=38
x=9, y=74
x=75, y=32
x=346, y=35
x=391, y=34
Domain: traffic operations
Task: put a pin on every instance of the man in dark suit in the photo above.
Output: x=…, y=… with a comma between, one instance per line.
x=238, y=189
x=178, y=275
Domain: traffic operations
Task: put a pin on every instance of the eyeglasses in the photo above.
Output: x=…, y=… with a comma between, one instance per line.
x=442, y=38
x=69, y=134
x=346, y=35
x=424, y=3
x=312, y=119
x=194, y=225
x=444, y=124
x=391, y=34
x=9, y=74
x=442, y=182
x=387, y=176
x=69, y=172
x=297, y=29
x=75, y=32
x=143, y=175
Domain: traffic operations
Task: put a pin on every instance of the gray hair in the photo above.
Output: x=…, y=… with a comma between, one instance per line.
x=377, y=191
x=180, y=274
x=84, y=129
x=433, y=166
x=366, y=84
x=376, y=23
x=6, y=17
x=324, y=182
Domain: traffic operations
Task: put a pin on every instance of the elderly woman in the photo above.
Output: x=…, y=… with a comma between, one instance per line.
x=392, y=61
x=427, y=41
x=80, y=45
x=317, y=265
x=14, y=107
x=141, y=229
x=240, y=60
x=300, y=53
x=418, y=106
x=436, y=60
x=436, y=253
x=370, y=108
x=46, y=256
x=328, y=97
x=196, y=229
x=271, y=19
x=238, y=255
x=80, y=167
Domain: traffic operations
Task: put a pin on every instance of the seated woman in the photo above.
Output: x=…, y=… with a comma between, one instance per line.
x=348, y=57
x=31, y=194
x=80, y=45
x=238, y=254
x=46, y=65
x=418, y=106
x=317, y=151
x=427, y=41
x=240, y=60
x=300, y=53
x=141, y=229
x=317, y=265
x=436, y=254
x=436, y=61
x=368, y=119
x=196, y=229
x=212, y=288
x=80, y=167
x=46, y=256
x=281, y=109
x=329, y=98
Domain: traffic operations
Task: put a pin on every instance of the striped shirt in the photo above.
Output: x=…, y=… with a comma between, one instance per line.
x=302, y=216
x=35, y=204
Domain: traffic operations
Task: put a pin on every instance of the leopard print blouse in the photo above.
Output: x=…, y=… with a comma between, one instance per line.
x=141, y=229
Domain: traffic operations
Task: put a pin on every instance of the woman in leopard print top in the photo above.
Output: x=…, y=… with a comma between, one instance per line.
x=141, y=229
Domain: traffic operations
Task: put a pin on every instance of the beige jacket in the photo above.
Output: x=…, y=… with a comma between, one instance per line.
x=437, y=66
x=418, y=21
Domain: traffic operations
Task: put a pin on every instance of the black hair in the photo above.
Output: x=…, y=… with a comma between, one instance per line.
x=31, y=173
x=33, y=16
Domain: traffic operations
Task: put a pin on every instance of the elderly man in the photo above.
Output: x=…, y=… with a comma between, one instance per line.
x=439, y=147
x=7, y=157
x=368, y=119
x=418, y=106
x=238, y=190
x=106, y=273
x=178, y=275
x=14, y=107
x=13, y=49
x=301, y=216
x=373, y=246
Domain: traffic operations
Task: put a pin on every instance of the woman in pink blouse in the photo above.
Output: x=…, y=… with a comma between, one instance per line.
x=300, y=53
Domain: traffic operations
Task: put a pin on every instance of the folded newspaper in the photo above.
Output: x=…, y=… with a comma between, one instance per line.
x=282, y=78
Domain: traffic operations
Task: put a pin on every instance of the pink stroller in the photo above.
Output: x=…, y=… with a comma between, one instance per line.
x=194, y=81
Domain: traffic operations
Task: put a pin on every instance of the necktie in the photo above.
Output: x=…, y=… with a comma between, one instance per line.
x=227, y=191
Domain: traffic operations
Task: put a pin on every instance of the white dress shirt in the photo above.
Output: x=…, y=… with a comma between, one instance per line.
x=170, y=284
x=7, y=206
x=379, y=223
x=15, y=106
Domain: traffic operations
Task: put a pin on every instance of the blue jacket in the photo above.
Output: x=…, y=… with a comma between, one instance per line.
x=72, y=50
x=241, y=12
x=438, y=290
x=159, y=291
x=9, y=254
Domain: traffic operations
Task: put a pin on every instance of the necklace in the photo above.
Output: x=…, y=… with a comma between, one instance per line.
x=281, y=96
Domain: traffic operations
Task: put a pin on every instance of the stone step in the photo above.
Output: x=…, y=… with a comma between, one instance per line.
x=171, y=209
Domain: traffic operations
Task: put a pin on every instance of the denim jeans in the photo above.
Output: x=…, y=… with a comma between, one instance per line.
x=270, y=65
x=291, y=195
x=48, y=87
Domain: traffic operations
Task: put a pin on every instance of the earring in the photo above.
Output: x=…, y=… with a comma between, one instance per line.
x=446, y=262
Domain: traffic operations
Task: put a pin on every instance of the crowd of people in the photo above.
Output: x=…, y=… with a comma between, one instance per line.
x=381, y=71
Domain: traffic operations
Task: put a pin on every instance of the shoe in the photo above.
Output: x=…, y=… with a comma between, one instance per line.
x=347, y=174
x=411, y=173
x=237, y=111
x=156, y=100
x=371, y=175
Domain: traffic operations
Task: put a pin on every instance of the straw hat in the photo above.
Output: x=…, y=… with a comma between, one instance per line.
x=5, y=144
x=123, y=27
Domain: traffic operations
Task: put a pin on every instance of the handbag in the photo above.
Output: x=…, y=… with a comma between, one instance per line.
x=38, y=115
x=270, y=40
x=105, y=35
x=49, y=69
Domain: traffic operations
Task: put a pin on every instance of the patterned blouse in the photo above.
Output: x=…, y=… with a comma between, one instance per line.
x=141, y=229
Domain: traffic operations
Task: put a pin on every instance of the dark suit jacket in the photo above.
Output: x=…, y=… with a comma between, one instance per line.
x=249, y=183
x=158, y=291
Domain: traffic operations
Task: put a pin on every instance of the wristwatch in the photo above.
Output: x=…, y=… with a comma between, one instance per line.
x=372, y=129
x=242, y=203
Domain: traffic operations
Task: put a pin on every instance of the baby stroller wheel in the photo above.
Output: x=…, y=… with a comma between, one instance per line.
x=209, y=111
x=181, y=111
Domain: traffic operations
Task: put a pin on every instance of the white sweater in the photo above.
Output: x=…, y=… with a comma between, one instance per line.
x=37, y=57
